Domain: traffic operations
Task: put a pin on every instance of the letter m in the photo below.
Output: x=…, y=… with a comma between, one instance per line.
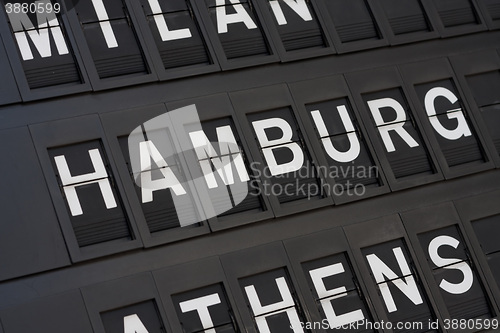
x=228, y=149
x=23, y=28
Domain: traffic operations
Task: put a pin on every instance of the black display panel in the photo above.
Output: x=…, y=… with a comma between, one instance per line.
x=485, y=88
x=197, y=298
x=65, y=312
x=486, y=230
x=289, y=166
x=460, y=286
x=337, y=293
x=353, y=20
x=25, y=184
x=111, y=38
x=8, y=89
x=140, y=317
x=493, y=9
x=455, y=13
x=45, y=51
x=129, y=304
x=491, y=12
x=93, y=202
x=226, y=181
x=339, y=139
x=297, y=24
x=345, y=147
x=192, y=306
x=238, y=28
x=397, y=130
x=406, y=16
x=176, y=32
x=450, y=121
x=272, y=299
x=156, y=185
x=228, y=154
x=399, y=285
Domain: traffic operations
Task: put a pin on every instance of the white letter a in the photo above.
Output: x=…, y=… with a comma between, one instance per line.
x=241, y=15
x=132, y=324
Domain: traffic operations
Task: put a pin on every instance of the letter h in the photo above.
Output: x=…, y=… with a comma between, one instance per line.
x=70, y=183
